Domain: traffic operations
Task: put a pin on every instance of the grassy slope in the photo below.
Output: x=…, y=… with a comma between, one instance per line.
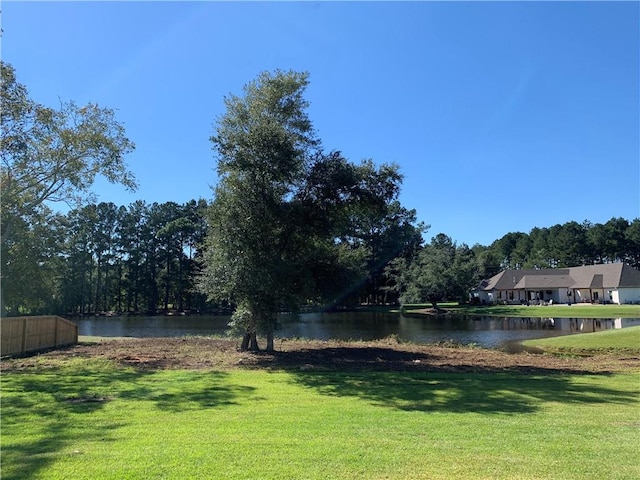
x=92, y=419
x=619, y=340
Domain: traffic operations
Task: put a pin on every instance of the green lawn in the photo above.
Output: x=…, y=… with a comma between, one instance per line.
x=618, y=341
x=91, y=419
x=556, y=311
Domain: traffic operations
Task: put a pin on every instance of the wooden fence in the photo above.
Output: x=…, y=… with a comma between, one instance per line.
x=20, y=335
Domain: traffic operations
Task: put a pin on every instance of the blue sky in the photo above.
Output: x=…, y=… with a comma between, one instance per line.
x=503, y=116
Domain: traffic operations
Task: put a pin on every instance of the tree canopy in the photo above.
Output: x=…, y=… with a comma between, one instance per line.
x=54, y=154
x=439, y=271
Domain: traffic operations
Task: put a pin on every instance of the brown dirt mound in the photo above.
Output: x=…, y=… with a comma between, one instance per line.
x=198, y=353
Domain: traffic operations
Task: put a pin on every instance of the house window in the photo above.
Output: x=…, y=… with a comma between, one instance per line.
x=511, y=295
x=595, y=295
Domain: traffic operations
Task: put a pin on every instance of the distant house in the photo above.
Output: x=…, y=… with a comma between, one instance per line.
x=610, y=283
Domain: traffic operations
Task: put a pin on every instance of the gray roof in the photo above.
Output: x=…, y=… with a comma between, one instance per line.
x=544, y=281
x=629, y=277
x=612, y=275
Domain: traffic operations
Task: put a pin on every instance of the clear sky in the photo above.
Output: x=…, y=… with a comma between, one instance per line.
x=503, y=116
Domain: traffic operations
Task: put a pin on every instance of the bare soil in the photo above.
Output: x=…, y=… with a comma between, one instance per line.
x=202, y=353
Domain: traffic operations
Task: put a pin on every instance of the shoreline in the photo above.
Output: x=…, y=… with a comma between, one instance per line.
x=218, y=354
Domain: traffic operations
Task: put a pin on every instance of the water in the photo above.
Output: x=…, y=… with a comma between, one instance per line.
x=489, y=332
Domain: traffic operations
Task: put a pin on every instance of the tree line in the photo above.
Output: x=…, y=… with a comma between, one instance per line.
x=146, y=259
x=569, y=244
x=104, y=258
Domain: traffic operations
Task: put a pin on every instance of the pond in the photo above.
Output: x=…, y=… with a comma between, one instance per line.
x=489, y=332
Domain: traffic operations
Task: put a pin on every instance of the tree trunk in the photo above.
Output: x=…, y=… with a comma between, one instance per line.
x=270, y=339
x=3, y=312
x=167, y=284
x=253, y=342
x=249, y=343
x=96, y=298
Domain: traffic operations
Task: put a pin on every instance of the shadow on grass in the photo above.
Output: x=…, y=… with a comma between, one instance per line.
x=422, y=382
x=489, y=393
x=40, y=408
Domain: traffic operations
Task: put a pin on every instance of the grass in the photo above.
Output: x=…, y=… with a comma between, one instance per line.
x=556, y=311
x=625, y=340
x=94, y=419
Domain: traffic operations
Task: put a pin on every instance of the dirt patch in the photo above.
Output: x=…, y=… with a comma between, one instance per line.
x=201, y=353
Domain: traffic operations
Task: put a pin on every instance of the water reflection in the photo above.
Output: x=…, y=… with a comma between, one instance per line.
x=489, y=332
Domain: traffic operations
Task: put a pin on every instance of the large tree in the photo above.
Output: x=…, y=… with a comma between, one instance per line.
x=52, y=154
x=284, y=219
x=264, y=143
x=440, y=271
x=381, y=227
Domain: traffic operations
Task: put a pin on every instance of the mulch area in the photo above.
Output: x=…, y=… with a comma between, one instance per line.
x=201, y=353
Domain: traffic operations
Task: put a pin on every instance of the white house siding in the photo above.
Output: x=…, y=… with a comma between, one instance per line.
x=484, y=297
x=563, y=297
x=627, y=295
x=620, y=296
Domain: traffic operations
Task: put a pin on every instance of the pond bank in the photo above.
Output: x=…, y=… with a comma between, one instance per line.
x=206, y=353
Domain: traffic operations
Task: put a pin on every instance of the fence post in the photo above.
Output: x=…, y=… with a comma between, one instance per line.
x=24, y=335
x=55, y=335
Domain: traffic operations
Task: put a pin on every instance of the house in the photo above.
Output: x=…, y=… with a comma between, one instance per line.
x=608, y=283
